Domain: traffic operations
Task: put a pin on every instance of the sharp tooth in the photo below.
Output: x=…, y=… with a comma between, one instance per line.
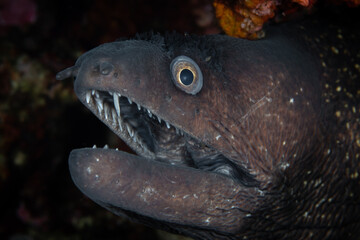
x=106, y=111
x=129, y=100
x=120, y=126
x=116, y=104
x=110, y=93
x=139, y=107
x=167, y=124
x=135, y=138
x=149, y=113
x=131, y=133
x=113, y=114
x=94, y=146
x=159, y=119
x=119, y=94
x=97, y=94
x=93, y=92
x=106, y=146
x=88, y=95
x=116, y=149
x=99, y=103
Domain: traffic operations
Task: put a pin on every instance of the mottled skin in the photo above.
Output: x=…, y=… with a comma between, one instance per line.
x=282, y=111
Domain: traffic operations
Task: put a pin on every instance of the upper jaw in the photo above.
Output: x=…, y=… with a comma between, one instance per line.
x=99, y=87
x=128, y=119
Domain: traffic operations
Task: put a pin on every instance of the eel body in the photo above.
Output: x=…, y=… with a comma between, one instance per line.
x=235, y=139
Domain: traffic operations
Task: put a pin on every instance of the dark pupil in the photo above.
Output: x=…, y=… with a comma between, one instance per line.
x=186, y=77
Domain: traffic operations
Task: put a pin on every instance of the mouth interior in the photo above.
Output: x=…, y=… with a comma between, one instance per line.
x=135, y=124
x=152, y=137
x=125, y=117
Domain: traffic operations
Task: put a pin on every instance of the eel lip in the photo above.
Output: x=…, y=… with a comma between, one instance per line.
x=121, y=182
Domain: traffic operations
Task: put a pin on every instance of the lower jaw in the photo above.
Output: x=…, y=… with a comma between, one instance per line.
x=157, y=190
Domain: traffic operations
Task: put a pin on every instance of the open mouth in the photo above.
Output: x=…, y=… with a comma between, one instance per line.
x=154, y=138
x=174, y=177
x=124, y=117
x=146, y=133
x=173, y=170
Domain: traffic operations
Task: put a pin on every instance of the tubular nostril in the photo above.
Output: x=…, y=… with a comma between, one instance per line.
x=106, y=68
x=68, y=72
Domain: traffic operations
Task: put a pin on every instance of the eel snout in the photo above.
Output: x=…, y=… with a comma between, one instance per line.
x=118, y=180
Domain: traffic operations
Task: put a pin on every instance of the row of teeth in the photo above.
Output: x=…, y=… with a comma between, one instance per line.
x=114, y=112
x=106, y=147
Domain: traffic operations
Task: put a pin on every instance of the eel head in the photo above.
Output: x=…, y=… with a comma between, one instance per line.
x=205, y=123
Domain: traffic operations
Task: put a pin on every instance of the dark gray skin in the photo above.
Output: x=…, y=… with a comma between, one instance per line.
x=268, y=149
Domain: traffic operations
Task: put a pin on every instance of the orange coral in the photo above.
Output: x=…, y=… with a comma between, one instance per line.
x=246, y=18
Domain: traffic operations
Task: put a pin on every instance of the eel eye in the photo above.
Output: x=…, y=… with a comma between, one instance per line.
x=186, y=75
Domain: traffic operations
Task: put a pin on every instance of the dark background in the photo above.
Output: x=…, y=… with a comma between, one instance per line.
x=41, y=120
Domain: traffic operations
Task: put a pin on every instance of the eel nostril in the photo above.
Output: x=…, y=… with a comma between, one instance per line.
x=106, y=68
x=67, y=73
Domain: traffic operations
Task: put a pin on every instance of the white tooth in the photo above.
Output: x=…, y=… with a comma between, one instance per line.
x=139, y=107
x=116, y=149
x=129, y=100
x=113, y=114
x=119, y=94
x=93, y=92
x=99, y=103
x=159, y=119
x=94, y=146
x=135, y=138
x=116, y=104
x=106, y=146
x=106, y=111
x=167, y=125
x=120, y=126
x=149, y=113
x=99, y=109
x=88, y=95
x=110, y=93
x=129, y=131
x=97, y=94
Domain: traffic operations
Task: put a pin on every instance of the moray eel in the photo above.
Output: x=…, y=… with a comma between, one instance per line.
x=234, y=139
